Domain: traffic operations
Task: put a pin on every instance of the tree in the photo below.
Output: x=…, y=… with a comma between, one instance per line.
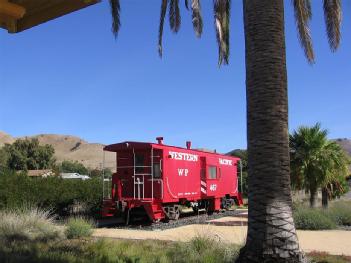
x=271, y=231
x=317, y=162
x=98, y=173
x=337, y=169
x=242, y=154
x=73, y=167
x=27, y=154
x=3, y=158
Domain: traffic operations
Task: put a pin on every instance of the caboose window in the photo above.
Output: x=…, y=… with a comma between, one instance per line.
x=156, y=170
x=212, y=172
x=139, y=162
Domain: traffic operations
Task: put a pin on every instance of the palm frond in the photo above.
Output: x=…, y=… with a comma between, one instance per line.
x=303, y=14
x=333, y=17
x=222, y=24
x=162, y=21
x=197, y=17
x=187, y=4
x=115, y=9
x=174, y=15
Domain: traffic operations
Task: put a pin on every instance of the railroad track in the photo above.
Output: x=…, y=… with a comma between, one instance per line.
x=185, y=219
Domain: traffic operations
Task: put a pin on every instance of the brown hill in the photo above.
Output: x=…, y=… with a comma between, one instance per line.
x=345, y=144
x=5, y=138
x=71, y=148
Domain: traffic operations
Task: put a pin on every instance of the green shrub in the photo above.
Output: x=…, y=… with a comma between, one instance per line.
x=312, y=219
x=30, y=224
x=119, y=251
x=340, y=213
x=52, y=193
x=323, y=257
x=78, y=228
x=203, y=249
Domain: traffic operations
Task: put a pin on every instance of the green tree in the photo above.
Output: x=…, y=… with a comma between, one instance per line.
x=317, y=162
x=73, y=167
x=242, y=154
x=98, y=173
x=3, y=158
x=27, y=154
x=271, y=231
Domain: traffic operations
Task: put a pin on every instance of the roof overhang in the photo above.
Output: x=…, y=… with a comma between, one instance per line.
x=19, y=15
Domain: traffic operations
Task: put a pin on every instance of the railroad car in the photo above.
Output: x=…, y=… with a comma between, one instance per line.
x=159, y=179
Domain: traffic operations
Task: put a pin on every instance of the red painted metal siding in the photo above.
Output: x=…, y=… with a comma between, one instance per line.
x=185, y=174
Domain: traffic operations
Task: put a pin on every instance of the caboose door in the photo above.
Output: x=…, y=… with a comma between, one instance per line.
x=212, y=174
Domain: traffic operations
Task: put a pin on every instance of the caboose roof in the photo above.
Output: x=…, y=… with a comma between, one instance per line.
x=127, y=145
x=146, y=145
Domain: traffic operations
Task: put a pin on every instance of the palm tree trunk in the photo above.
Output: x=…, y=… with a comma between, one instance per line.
x=313, y=197
x=271, y=233
x=325, y=197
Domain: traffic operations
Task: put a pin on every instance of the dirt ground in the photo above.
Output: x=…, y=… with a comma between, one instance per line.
x=233, y=230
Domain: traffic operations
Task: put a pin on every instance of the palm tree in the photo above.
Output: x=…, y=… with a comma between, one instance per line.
x=337, y=168
x=317, y=161
x=271, y=231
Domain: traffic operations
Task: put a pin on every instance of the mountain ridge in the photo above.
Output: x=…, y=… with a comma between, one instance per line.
x=72, y=148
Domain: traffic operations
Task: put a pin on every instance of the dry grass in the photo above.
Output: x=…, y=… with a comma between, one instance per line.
x=29, y=224
x=323, y=257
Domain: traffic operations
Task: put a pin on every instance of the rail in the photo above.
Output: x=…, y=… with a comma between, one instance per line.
x=137, y=180
x=138, y=177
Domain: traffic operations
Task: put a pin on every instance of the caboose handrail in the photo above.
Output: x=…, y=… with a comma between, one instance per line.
x=143, y=166
x=158, y=180
x=134, y=172
x=241, y=176
x=152, y=173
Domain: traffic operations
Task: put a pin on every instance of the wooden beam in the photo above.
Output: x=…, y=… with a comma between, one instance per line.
x=8, y=23
x=11, y=10
x=52, y=12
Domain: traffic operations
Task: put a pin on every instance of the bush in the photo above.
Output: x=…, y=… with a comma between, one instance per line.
x=29, y=224
x=52, y=193
x=121, y=251
x=203, y=249
x=78, y=228
x=312, y=219
x=323, y=257
x=340, y=213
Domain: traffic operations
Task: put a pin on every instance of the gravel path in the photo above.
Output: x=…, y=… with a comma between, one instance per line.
x=233, y=230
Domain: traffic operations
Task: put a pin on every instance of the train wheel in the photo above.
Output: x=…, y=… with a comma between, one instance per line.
x=177, y=214
x=227, y=203
x=172, y=212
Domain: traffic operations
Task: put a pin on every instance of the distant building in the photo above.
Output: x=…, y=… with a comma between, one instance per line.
x=74, y=176
x=40, y=173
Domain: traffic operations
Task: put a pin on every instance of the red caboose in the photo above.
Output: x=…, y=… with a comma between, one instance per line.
x=159, y=178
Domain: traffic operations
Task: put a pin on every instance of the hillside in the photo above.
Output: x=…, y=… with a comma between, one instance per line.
x=5, y=138
x=71, y=148
x=345, y=144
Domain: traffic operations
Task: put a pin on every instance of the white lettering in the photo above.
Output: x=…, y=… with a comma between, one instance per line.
x=213, y=187
x=183, y=156
x=183, y=171
x=225, y=161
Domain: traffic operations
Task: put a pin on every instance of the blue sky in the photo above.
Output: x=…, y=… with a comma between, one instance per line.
x=70, y=76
